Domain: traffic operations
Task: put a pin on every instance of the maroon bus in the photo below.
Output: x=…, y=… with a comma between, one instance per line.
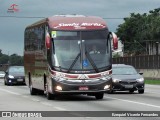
x=69, y=54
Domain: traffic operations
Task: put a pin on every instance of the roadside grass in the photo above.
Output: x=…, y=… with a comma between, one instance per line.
x=153, y=82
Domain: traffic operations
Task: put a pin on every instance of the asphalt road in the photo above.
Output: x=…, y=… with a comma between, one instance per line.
x=17, y=98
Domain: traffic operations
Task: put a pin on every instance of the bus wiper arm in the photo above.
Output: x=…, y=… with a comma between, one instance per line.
x=92, y=62
x=75, y=60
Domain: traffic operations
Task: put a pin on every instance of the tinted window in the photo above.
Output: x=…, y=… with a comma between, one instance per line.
x=123, y=70
x=16, y=69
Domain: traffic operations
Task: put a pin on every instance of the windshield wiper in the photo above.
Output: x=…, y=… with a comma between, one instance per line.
x=75, y=60
x=91, y=61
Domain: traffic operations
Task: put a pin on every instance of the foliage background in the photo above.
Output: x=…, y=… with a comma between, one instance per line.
x=139, y=28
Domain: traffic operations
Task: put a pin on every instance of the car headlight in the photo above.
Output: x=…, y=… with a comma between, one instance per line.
x=115, y=80
x=140, y=80
x=10, y=76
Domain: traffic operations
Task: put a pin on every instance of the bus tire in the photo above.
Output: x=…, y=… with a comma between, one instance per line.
x=33, y=91
x=49, y=96
x=99, y=96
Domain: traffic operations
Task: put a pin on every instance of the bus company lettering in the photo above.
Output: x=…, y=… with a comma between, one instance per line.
x=91, y=24
x=77, y=24
x=68, y=24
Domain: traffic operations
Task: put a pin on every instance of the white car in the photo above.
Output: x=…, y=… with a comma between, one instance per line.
x=2, y=74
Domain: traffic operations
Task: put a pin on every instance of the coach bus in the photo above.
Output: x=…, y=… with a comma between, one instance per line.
x=58, y=56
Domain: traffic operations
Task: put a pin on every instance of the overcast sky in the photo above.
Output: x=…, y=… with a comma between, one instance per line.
x=12, y=29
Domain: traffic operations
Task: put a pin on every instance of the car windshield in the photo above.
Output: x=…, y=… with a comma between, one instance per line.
x=123, y=71
x=16, y=70
x=81, y=50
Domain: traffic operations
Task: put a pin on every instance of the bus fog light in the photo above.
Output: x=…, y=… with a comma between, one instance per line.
x=58, y=88
x=106, y=87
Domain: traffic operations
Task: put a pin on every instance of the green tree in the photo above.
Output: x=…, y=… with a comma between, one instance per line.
x=138, y=28
x=16, y=59
x=4, y=59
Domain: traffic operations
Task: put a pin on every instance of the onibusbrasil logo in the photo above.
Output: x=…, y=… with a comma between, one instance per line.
x=13, y=8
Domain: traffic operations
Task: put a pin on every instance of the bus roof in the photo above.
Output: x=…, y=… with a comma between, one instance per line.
x=73, y=22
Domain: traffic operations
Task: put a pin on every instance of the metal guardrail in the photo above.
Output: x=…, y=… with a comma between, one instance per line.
x=140, y=62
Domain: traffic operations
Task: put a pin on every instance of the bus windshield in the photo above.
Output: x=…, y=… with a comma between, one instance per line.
x=81, y=50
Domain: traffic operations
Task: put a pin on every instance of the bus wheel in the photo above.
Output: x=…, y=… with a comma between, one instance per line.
x=99, y=96
x=48, y=94
x=33, y=91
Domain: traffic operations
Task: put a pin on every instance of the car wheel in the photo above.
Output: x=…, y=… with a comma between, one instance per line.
x=131, y=91
x=99, y=96
x=141, y=91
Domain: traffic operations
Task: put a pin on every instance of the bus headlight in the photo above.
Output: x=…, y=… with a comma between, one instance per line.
x=59, y=88
x=140, y=80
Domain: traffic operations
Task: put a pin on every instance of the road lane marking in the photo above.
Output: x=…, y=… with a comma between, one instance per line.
x=25, y=96
x=146, y=104
x=9, y=91
x=152, y=92
x=33, y=99
x=36, y=100
x=59, y=108
x=47, y=104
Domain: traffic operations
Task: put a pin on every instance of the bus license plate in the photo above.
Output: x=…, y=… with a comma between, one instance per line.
x=83, y=88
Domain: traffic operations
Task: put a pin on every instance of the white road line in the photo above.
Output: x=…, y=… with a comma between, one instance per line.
x=36, y=100
x=152, y=92
x=9, y=91
x=45, y=103
x=25, y=96
x=33, y=99
x=59, y=108
x=141, y=103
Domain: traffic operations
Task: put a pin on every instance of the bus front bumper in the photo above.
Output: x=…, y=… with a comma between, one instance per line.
x=81, y=86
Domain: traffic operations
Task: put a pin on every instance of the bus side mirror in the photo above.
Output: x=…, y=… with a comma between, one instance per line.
x=48, y=41
x=114, y=40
